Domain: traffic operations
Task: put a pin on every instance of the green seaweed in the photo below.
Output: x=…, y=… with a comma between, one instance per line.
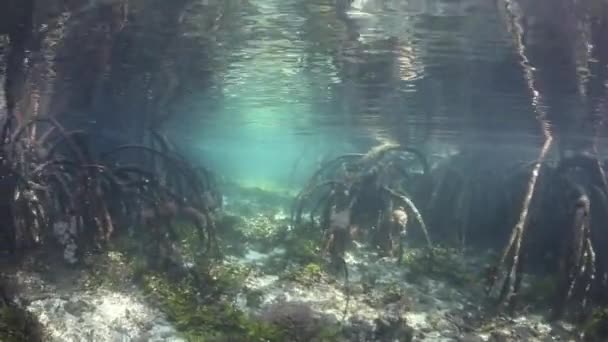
x=330, y=333
x=264, y=231
x=254, y=298
x=441, y=263
x=303, y=248
x=392, y=293
x=111, y=270
x=231, y=238
x=260, y=230
x=205, y=321
x=18, y=325
x=595, y=328
x=199, y=304
x=307, y=275
x=226, y=278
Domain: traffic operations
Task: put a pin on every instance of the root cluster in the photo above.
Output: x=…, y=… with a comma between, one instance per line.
x=563, y=233
x=54, y=178
x=363, y=196
x=475, y=201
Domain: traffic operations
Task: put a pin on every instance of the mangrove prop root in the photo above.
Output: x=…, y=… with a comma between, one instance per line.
x=44, y=185
x=578, y=257
x=344, y=266
x=16, y=138
x=347, y=191
x=203, y=223
x=513, y=247
x=515, y=242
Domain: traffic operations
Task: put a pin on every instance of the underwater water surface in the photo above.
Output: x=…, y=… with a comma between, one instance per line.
x=308, y=80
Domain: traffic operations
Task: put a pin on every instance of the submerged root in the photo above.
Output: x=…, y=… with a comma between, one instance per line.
x=577, y=263
x=350, y=190
x=52, y=177
x=557, y=229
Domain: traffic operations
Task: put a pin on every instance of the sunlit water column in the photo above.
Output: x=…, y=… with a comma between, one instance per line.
x=264, y=135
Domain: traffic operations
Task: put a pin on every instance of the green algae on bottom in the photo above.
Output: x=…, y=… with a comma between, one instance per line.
x=307, y=275
x=595, y=328
x=217, y=320
x=201, y=310
x=18, y=325
x=440, y=262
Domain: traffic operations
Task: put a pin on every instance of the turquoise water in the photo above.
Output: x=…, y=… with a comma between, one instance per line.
x=264, y=90
x=300, y=82
x=460, y=146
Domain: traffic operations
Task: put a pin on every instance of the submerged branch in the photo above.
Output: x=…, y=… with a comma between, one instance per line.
x=517, y=235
